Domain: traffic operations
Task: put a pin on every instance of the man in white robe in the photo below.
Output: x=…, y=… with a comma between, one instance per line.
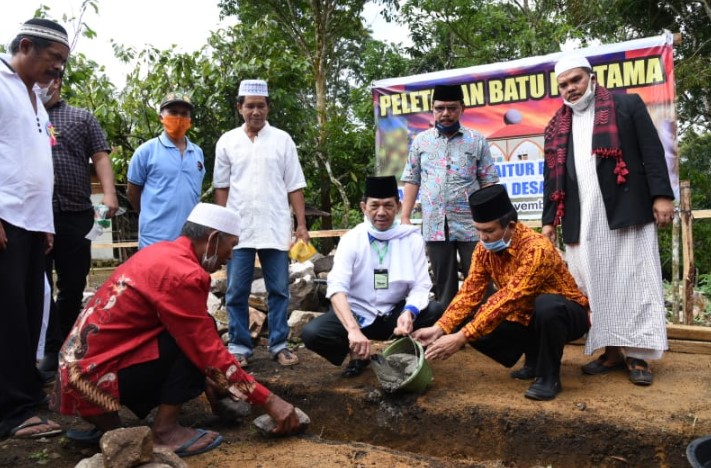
x=607, y=183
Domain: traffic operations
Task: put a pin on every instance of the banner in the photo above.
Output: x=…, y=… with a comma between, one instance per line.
x=510, y=104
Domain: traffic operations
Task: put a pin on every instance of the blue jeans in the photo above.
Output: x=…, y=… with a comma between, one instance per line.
x=240, y=271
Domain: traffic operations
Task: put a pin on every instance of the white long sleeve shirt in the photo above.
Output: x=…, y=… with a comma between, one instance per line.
x=356, y=261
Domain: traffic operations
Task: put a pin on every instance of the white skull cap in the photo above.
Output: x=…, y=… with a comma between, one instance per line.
x=253, y=88
x=216, y=217
x=569, y=62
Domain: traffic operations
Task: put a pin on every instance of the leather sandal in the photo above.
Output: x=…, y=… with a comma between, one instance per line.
x=598, y=367
x=355, y=367
x=639, y=372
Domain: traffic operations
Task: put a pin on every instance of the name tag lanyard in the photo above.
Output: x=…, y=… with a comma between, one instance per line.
x=380, y=277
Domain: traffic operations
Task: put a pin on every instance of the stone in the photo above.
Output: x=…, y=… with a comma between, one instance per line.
x=299, y=270
x=230, y=410
x=323, y=265
x=222, y=319
x=127, y=447
x=303, y=293
x=213, y=303
x=218, y=282
x=166, y=457
x=265, y=424
x=97, y=461
x=256, y=322
x=298, y=320
x=323, y=287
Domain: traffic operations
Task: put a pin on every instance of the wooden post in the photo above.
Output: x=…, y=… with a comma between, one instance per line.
x=675, y=269
x=687, y=239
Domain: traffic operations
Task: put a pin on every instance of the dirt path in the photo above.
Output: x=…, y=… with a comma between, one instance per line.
x=473, y=414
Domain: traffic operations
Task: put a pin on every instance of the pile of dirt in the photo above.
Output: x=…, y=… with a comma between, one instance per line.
x=473, y=414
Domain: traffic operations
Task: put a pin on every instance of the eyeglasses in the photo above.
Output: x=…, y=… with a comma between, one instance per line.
x=450, y=109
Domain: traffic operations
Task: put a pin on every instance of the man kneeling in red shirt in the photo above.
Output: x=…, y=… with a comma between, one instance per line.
x=146, y=340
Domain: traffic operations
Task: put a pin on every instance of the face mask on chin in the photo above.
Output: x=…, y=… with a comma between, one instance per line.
x=447, y=129
x=43, y=92
x=210, y=263
x=585, y=100
x=499, y=245
x=175, y=126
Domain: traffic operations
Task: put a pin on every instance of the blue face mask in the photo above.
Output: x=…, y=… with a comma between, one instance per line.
x=447, y=130
x=499, y=245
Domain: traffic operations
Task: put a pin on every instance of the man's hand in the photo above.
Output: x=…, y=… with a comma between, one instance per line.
x=283, y=414
x=404, y=323
x=405, y=220
x=359, y=344
x=549, y=231
x=445, y=346
x=302, y=233
x=3, y=237
x=111, y=202
x=663, y=209
x=427, y=336
x=49, y=242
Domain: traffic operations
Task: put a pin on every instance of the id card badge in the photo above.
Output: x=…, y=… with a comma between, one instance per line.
x=380, y=279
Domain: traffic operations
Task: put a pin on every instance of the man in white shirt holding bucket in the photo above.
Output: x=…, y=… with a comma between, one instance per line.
x=379, y=285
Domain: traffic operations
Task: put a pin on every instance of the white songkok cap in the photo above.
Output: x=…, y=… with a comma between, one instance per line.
x=46, y=29
x=216, y=217
x=569, y=62
x=253, y=88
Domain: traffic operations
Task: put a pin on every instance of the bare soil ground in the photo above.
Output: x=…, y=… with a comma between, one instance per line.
x=473, y=414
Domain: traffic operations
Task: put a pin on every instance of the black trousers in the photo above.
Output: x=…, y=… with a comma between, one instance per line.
x=327, y=337
x=71, y=258
x=556, y=321
x=172, y=379
x=21, y=298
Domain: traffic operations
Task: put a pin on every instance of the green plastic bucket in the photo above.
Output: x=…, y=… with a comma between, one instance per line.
x=418, y=380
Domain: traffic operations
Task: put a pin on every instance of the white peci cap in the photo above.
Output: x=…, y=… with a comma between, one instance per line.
x=253, y=88
x=569, y=62
x=216, y=217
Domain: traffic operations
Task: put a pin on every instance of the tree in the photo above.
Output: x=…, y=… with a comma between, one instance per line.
x=462, y=33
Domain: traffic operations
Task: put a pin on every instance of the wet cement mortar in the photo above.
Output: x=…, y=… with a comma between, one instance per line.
x=472, y=414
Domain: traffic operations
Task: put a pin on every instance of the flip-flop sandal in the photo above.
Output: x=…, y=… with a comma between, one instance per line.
x=183, y=451
x=35, y=435
x=92, y=436
x=639, y=376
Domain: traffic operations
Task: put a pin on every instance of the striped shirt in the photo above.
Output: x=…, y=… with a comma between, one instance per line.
x=79, y=137
x=531, y=266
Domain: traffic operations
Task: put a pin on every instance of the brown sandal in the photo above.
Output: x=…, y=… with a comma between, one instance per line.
x=639, y=372
x=598, y=367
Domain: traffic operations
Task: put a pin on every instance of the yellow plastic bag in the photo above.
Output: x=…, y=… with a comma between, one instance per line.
x=301, y=251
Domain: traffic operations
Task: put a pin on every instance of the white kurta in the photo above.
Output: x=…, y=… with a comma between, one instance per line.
x=619, y=270
x=260, y=174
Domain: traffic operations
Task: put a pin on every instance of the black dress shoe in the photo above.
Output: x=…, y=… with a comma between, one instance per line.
x=544, y=388
x=355, y=367
x=525, y=373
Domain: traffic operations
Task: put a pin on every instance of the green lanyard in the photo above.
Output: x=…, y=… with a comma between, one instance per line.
x=379, y=250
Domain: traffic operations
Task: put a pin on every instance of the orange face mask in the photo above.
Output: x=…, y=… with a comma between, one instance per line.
x=176, y=127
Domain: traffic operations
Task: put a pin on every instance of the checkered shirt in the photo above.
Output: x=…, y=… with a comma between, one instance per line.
x=79, y=136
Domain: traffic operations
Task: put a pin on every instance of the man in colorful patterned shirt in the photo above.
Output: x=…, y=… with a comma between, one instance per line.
x=446, y=164
x=146, y=340
x=536, y=310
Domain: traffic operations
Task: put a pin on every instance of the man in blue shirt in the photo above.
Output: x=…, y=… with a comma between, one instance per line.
x=165, y=175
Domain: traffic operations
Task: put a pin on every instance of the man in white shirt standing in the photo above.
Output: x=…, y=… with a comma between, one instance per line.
x=38, y=55
x=379, y=284
x=257, y=174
